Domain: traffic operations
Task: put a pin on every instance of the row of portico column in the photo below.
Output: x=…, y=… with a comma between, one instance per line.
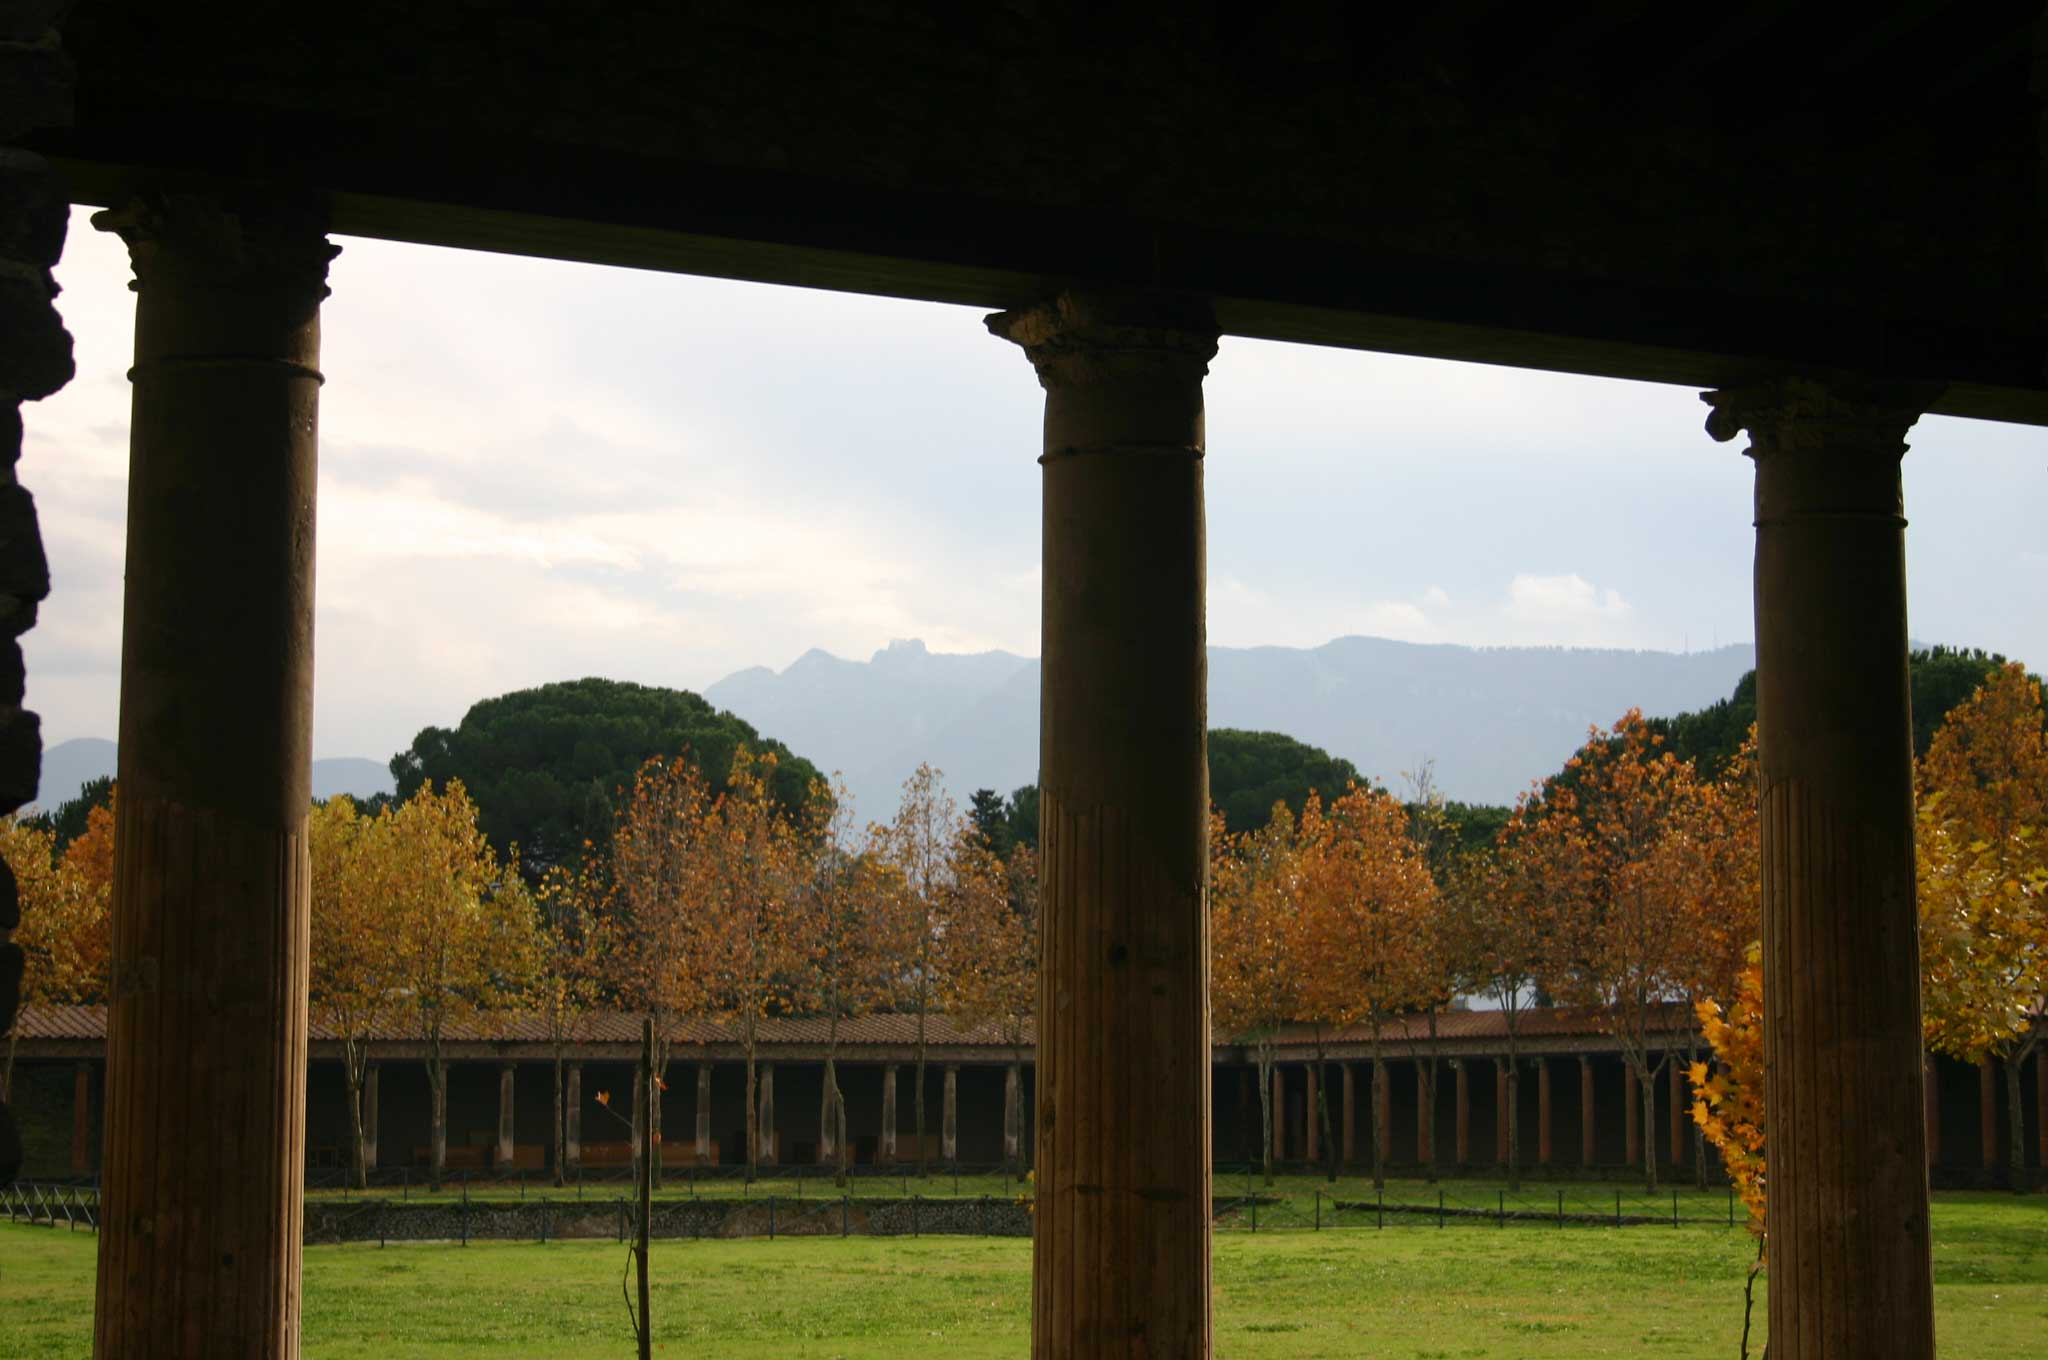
x=199, y=1252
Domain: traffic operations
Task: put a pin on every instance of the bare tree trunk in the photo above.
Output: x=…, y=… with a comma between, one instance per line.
x=1265, y=1061
x=1379, y=1113
x=655, y=1083
x=561, y=1135
x=1332, y=1154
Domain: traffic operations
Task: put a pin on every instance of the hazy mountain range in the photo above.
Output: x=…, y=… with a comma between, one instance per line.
x=1493, y=718
x=68, y=765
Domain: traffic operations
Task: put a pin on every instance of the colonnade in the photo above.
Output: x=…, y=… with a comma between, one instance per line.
x=207, y=1044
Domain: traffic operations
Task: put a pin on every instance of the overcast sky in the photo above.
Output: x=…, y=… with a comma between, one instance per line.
x=533, y=471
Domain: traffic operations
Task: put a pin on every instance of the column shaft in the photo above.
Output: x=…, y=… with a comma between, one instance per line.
x=1464, y=1084
x=1678, y=1104
x=1851, y=1271
x=949, y=1116
x=1542, y=1111
x=1279, y=1113
x=1987, y=1111
x=1425, y=1114
x=1350, y=1114
x=765, y=1121
x=81, y=1119
x=1631, y=1115
x=1013, y=1114
x=572, y=1117
x=827, y=1142
x=1121, y=1255
x=1382, y=1112
x=886, y=1151
x=2041, y=1103
x=1312, y=1136
x=1589, y=1146
x=372, y=1075
x=703, y=1148
x=1503, y=1111
x=202, y=1186
x=506, y=1073
x=639, y=1094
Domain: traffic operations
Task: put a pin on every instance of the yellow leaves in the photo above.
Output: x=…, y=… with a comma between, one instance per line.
x=1697, y=1073
x=1728, y=1101
x=65, y=929
x=604, y=1098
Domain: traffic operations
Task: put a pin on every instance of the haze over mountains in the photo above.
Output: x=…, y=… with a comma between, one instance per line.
x=1493, y=718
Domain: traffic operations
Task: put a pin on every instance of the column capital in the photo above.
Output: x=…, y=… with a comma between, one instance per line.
x=1805, y=414
x=190, y=237
x=1080, y=338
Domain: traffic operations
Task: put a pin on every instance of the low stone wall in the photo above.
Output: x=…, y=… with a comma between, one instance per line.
x=329, y=1221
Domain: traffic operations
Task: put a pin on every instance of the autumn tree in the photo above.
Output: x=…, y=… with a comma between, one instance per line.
x=660, y=869
x=455, y=933
x=1439, y=829
x=928, y=845
x=64, y=934
x=350, y=983
x=855, y=927
x=1728, y=1099
x=751, y=940
x=567, y=974
x=1365, y=951
x=1709, y=860
x=1255, y=985
x=1983, y=880
x=992, y=959
x=1614, y=934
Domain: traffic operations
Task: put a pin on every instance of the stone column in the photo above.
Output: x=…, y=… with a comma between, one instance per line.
x=886, y=1150
x=1279, y=1113
x=765, y=1120
x=1350, y=1114
x=1013, y=1114
x=1632, y=1115
x=703, y=1148
x=1677, y=1116
x=1542, y=1111
x=81, y=1119
x=1851, y=1270
x=1503, y=1111
x=1312, y=1136
x=572, y=1118
x=1589, y=1146
x=2041, y=1103
x=827, y=1141
x=1464, y=1085
x=206, y=1035
x=949, y=1117
x=35, y=360
x=1987, y=1111
x=506, y=1072
x=639, y=1094
x=1382, y=1112
x=1425, y=1114
x=1121, y=1255
x=372, y=1078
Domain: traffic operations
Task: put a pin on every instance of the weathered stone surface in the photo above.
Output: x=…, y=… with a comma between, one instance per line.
x=35, y=89
x=10, y=898
x=35, y=349
x=21, y=758
x=24, y=570
x=33, y=212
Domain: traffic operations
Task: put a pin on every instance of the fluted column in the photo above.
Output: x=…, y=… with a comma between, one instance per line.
x=1462, y=1069
x=949, y=1117
x=703, y=1148
x=572, y=1118
x=507, y=1073
x=372, y=1079
x=886, y=1152
x=1589, y=1146
x=206, y=1042
x=1121, y=1256
x=1850, y=1257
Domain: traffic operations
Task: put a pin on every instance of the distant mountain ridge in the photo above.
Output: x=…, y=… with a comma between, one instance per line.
x=70, y=765
x=1494, y=719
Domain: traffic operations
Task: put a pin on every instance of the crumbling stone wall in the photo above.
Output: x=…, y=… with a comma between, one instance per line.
x=35, y=360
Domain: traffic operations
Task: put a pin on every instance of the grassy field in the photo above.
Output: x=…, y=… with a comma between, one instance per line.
x=1408, y=1293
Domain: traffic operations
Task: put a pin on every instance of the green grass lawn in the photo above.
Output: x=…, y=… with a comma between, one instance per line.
x=1524, y=1291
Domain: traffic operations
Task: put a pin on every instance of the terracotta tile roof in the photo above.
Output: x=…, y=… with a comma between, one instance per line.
x=90, y=1022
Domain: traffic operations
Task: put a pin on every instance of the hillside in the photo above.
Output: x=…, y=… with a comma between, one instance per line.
x=1494, y=719
x=70, y=764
